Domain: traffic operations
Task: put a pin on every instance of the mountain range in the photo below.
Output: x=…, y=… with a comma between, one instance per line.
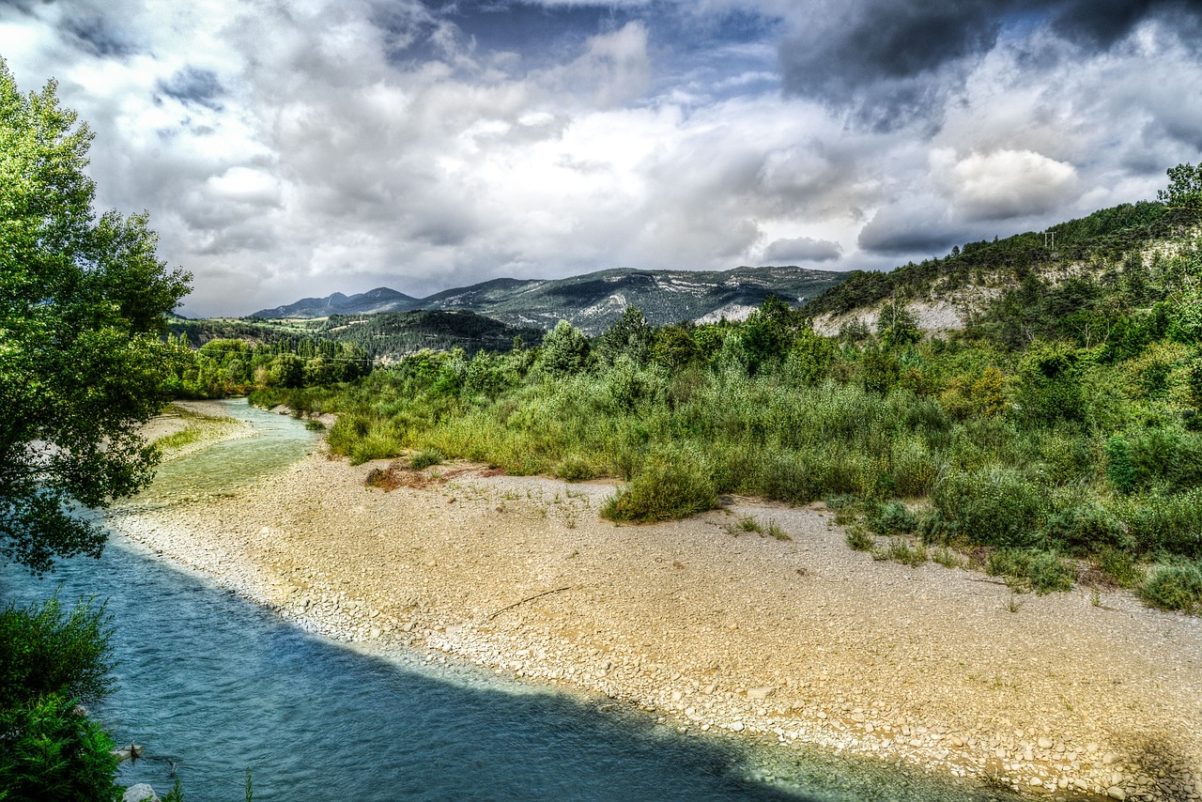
x=591, y=301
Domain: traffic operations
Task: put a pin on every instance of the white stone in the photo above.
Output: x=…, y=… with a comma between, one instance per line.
x=139, y=793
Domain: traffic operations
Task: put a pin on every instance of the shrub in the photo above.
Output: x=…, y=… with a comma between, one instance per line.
x=1049, y=385
x=748, y=524
x=932, y=527
x=1171, y=458
x=994, y=506
x=53, y=751
x=859, y=538
x=1085, y=527
x=790, y=477
x=915, y=468
x=668, y=486
x=425, y=458
x=775, y=531
x=565, y=350
x=1174, y=587
x=1119, y=566
x=902, y=551
x=1029, y=569
x=892, y=518
x=975, y=394
x=574, y=468
x=1171, y=524
x=46, y=650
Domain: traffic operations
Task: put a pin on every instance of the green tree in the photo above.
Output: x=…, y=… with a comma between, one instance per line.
x=1185, y=188
x=767, y=332
x=896, y=325
x=82, y=307
x=629, y=336
x=565, y=350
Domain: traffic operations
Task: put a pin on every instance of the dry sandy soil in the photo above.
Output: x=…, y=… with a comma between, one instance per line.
x=801, y=641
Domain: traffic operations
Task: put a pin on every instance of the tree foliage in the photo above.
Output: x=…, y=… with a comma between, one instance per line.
x=82, y=306
x=1184, y=189
x=565, y=350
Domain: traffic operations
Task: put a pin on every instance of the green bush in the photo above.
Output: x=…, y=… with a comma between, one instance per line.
x=1119, y=566
x=915, y=468
x=575, y=468
x=902, y=551
x=1174, y=587
x=50, y=660
x=995, y=506
x=1049, y=383
x=892, y=518
x=1119, y=467
x=1030, y=569
x=859, y=539
x=564, y=351
x=1169, y=524
x=1085, y=527
x=668, y=486
x=52, y=751
x=425, y=458
x=46, y=650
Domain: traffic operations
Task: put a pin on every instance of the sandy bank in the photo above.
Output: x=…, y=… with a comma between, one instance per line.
x=802, y=641
x=206, y=421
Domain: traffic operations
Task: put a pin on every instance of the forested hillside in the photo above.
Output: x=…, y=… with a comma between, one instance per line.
x=1095, y=250
x=391, y=335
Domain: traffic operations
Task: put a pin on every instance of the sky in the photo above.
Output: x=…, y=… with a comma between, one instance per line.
x=290, y=149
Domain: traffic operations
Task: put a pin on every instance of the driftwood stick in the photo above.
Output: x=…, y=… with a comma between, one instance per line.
x=528, y=599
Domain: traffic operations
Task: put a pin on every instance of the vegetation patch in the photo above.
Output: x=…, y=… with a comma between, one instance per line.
x=1032, y=570
x=426, y=458
x=859, y=538
x=1174, y=587
x=177, y=440
x=667, y=487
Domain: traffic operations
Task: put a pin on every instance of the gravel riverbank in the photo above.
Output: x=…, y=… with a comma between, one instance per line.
x=801, y=641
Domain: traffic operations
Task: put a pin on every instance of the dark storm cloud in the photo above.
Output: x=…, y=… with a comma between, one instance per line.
x=913, y=226
x=802, y=249
x=890, y=61
x=192, y=85
x=98, y=35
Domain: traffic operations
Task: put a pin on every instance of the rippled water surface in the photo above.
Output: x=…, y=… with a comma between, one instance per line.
x=214, y=685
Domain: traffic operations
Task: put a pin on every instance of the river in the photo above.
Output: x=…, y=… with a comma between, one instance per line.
x=212, y=685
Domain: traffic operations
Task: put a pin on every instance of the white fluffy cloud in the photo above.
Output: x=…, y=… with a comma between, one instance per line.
x=298, y=149
x=1004, y=183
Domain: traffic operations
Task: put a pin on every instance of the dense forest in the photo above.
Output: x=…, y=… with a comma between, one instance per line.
x=221, y=357
x=390, y=335
x=1056, y=439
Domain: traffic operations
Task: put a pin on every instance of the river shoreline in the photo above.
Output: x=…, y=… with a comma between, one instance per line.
x=801, y=642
